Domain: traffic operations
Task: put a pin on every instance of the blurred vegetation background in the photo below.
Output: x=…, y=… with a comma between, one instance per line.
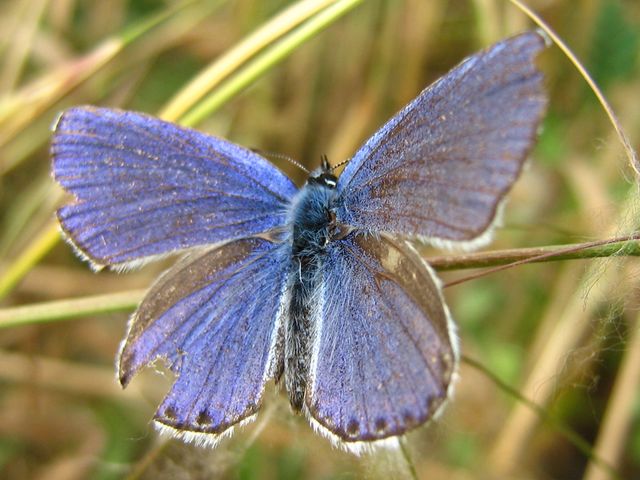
x=563, y=334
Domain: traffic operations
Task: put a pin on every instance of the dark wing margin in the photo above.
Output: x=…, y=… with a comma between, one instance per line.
x=385, y=351
x=439, y=169
x=215, y=319
x=144, y=187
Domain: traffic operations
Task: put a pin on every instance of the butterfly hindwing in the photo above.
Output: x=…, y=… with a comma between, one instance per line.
x=385, y=352
x=145, y=187
x=215, y=318
x=440, y=167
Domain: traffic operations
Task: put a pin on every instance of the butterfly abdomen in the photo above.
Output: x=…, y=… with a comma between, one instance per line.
x=310, y=219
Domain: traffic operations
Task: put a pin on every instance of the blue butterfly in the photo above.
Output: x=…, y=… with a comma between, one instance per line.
x=318, y=288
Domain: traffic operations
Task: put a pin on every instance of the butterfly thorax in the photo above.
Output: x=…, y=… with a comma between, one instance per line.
x=312, y=223
x=311, y=219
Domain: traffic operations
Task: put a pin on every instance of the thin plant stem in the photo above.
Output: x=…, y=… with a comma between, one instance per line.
x=18, y=110
x=127, y=301
x=22, y=41
x=575, y=439
x=34, y=252
x=506, y=259
x=406, y=455
x=615, y=428
x=626, y=245
x=267, y=60
x=631, y=153
x=237, y=56
x=140, y=468
x=69, y=309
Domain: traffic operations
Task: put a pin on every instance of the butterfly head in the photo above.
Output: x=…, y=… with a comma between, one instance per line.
x=324, y=175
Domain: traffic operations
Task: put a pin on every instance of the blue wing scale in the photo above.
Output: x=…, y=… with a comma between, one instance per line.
x=439, y=168
x=385, y=352
x=215, y=318
x=145, y=187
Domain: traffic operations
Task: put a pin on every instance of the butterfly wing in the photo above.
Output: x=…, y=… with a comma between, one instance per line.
x=145, y=187
x=441, y=166
x=215, y=318
x=385, y=350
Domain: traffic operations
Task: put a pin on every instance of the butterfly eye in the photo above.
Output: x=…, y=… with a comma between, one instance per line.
x=329, y=180
x=325, y=179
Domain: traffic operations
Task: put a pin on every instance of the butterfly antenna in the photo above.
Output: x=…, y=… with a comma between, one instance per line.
x=281, y=156
x=338, y=165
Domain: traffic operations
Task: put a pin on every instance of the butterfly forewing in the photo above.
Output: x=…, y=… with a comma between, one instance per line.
x=440, y=167
x=145, y=187
x=215, y=319
x=385, y=352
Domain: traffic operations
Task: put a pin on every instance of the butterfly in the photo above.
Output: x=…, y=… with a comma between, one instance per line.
x=320, y=289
